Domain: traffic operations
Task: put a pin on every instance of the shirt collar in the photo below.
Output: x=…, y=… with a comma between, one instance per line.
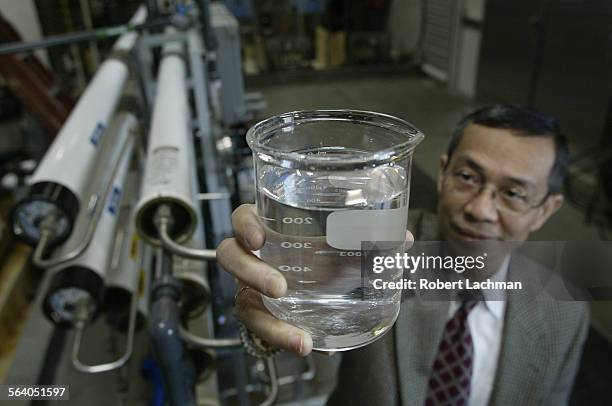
x=495, y=300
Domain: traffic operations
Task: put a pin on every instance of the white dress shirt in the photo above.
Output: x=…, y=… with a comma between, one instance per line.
x=486, y=323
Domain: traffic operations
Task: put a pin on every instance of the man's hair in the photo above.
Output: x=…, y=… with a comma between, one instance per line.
x=525, y=122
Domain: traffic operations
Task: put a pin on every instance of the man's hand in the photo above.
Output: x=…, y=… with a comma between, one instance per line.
x=235, y=256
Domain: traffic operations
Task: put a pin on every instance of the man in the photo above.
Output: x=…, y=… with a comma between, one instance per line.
x=500, y=179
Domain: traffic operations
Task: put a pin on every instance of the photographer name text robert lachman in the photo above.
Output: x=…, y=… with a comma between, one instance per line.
x=438, y=284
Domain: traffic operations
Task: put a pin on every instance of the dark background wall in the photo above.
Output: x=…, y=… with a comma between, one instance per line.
x=555, y=55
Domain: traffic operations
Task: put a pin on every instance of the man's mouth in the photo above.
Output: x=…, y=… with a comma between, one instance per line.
x=469, y=235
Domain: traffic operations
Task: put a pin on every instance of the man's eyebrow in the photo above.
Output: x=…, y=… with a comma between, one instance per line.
x=526, y=183
x=471, y=163
x=511, y=179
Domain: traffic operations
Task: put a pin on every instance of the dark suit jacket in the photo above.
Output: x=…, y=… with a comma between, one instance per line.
x=539, y=355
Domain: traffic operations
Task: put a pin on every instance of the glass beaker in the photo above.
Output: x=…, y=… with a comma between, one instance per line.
x=326, y=182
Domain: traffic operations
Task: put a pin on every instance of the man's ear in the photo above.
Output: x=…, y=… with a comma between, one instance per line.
x=441, y=167
x=547, y=209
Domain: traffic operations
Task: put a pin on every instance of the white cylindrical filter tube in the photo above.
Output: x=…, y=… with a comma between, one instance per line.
x=62, y=177
x=81, y=281
x=127, y=41
x=135, y=258
x=144, y=282
x=167, y=174
x=193, y=273
x=123, y=127
x=122, y=279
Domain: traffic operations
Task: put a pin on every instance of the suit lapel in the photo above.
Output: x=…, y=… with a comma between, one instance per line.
x=519, y=360
x=415, y=352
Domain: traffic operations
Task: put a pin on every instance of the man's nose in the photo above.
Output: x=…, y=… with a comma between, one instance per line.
x=482, y=207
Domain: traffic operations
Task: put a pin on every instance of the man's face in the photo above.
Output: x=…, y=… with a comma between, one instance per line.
x=495, y=186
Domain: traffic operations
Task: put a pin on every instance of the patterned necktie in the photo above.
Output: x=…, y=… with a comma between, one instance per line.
x=449, y=383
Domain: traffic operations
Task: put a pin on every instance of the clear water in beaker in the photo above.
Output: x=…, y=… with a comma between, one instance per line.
x=325, y=182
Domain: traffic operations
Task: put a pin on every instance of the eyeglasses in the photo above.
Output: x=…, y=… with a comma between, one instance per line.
x=510, y=198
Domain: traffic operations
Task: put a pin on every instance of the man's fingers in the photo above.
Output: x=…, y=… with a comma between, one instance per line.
x=252, y=312
x=247, y=228
x=249, y=269
x=409, y=242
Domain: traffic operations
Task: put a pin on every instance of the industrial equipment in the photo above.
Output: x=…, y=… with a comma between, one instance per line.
x=77, y=287
x=124, y=212
x=57, y=195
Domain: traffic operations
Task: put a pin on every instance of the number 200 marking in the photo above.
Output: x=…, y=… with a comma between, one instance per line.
x=287, y=268
x=288, y=244
x=297, y=220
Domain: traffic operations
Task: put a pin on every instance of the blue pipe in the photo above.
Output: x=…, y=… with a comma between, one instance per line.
x=178, y=373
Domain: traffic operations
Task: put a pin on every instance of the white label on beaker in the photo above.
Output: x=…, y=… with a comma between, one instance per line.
x=346, y=229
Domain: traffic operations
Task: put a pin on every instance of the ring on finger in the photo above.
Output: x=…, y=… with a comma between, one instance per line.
x=240, y=291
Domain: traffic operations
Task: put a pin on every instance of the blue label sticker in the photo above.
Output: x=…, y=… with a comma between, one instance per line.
x=113, y=201
x=96, y=135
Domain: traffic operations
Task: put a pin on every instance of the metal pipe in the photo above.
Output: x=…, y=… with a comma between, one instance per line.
x=93, y=47
x=210, y=40
x=109, y=366
x=271, y=399
x=203, y=342
x=250, y=388
x=307, y=375
x=179, y=377
x=125, y=137
x=82, y=36
x=182, y=251
x=212, y=196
